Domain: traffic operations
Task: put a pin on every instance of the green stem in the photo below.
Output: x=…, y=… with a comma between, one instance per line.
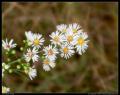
x=16, y=61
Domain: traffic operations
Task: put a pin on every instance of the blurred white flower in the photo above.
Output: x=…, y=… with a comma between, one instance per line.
x=74, y=27
x=62, y=28
x=47, y=64
x=31, y=54
x=29, y=35
x=37, y=40
x=69, y=37
x=8, y=45
x=32, y=73
x=5, y=89
x=57, y=38
x=66, y=51
x=34, y=39
x=50, y=52
x=81, y=42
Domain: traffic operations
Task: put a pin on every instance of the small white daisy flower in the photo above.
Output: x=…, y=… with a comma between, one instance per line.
x=50, y=52
x=35, y=40
x=66, y=51
x=81, y=42
x=57, y=38
x=5, y=89
x=69, y=37
x=8, y=45
x=74, y=27
x=47, y=64
x=29, y=35
x=31, y=54
x=32, y=73
x=62, y=28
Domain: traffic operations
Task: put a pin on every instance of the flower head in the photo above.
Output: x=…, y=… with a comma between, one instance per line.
x=47, y=63
x=32, y=73
x=81, y=42
x=62, y=28
x=66, y=51
x=74, y=27
x=35, y=40
x=50, y=52
x=69, y=37
x=8, y=45
x=31, y=54
x=57, y=38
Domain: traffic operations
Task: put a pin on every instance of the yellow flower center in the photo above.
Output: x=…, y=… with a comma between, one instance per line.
x=50, y=52
x=70, y=38
x=80, y=41
x=36, y=42
x=74, y=30
x=46, y=61
x=56, y=38
x=65, y=50
x=64, y=30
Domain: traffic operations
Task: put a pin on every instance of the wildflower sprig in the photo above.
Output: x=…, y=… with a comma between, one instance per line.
x=64, y=42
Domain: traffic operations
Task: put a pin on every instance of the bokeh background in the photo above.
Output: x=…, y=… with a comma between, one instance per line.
x=95, y=71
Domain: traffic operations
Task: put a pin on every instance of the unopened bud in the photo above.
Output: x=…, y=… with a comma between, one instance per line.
x=7, y=66
x=13, y=52
x=10, y=71
x=21, y=48
x=18, y=67
x=8, y=59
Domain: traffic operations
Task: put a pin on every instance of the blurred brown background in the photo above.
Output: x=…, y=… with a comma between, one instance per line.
x=94, y=71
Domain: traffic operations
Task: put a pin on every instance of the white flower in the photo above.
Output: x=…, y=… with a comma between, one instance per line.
x=8, y=45
x=57, y=38
x=69, y=37
x=62, y=28
x=66, y=51
x=50, y=52
x=35, y=40
x=31, y=54
x=74, y=27
x=5, y=89
x=29, y=35
x=47, y=64
x=81, y=42
x=32, y=73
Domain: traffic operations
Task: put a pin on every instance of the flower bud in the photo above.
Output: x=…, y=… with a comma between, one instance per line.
x=18, y=67
x=19, y=60
x=10, y=70
x=3, y=64
x=24, y=41
x=6, y=53
x=13, y=52
x=8, y=59
x=7, y=66
x=21, y=48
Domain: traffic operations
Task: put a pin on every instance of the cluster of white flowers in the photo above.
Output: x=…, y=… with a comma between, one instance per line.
x=65, y=41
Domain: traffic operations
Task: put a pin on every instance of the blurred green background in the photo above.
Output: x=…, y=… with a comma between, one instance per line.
x=95, y=71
